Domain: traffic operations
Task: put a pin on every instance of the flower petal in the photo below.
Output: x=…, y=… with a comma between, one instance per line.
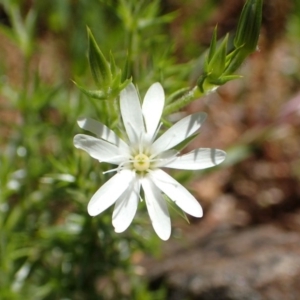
x=164, y=157
x=99, y=149
x=132, y=113
x=157, y=209
x=110, y=192
x=152, y=108
x=198, y=159
x=178, y=132
x=102, y=131
x=178, y=193
x=125, y=207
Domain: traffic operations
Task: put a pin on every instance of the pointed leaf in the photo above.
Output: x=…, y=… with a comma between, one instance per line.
x=126, y=69
x=124, y=84
x=98, y=64
x=100, y=95
x=224, y=79
x=213, y=45
x=217, y=64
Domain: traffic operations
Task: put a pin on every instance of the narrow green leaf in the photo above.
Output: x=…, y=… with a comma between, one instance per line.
x=231, y=56
x=116, y=82
x=124, y=84
x=217, y=64
x=99, y=66
x=213, y=44
x=224, y=79
x=126, y=69
x=30, y=22
x=113, y=67
x=100, y=95
x=236, y=154
x=97, y=94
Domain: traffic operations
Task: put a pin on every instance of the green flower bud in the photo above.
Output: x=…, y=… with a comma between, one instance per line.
x=247, y=34
x=220, y=65
x=249, y=26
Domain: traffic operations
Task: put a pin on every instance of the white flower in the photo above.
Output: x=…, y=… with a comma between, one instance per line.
x=141, y=158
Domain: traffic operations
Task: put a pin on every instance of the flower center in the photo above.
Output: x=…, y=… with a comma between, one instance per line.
x=141, y=162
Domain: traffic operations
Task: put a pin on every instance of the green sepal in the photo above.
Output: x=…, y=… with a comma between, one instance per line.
x=99, y=66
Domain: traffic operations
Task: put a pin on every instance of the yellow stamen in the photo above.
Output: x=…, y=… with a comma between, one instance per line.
x=141, y=162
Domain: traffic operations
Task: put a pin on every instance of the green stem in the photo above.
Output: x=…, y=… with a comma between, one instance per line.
x=25, y=86
x=183, y=101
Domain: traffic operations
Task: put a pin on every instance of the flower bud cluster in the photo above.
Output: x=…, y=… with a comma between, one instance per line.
x=220, y=64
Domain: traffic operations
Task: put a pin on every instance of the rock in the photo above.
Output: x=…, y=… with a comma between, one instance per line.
x=259, y=263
